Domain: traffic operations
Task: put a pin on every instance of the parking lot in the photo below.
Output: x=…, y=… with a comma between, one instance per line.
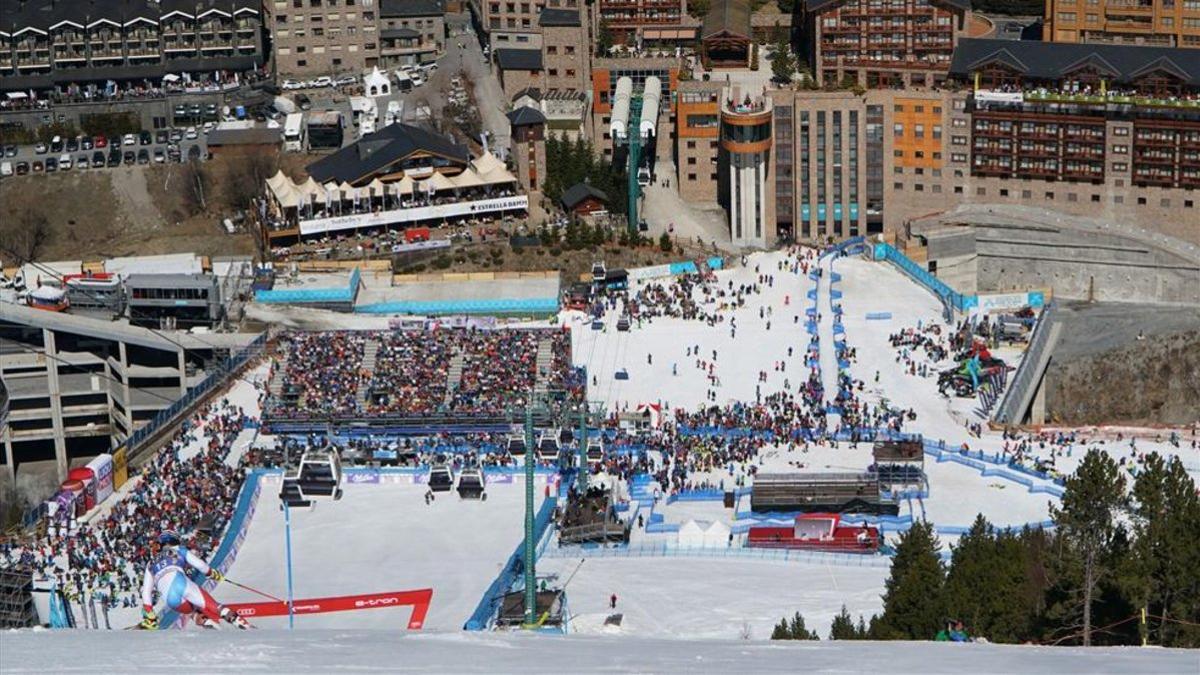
x=95, y=152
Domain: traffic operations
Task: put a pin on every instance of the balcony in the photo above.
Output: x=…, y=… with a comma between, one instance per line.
x=1083, y=174
x=1139, y=6
x=1035, y=152
x=992, y=170
x=1037, y=172
x=1159, y=140
x=1160, y=180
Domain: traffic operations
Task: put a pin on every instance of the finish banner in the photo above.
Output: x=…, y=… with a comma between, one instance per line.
x=418, y=600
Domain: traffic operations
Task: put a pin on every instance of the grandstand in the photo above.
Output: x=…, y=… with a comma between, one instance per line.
x=417, y=381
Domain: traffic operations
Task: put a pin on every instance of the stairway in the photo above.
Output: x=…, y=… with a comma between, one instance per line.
x=454, y=374
x=545, y=359
x=275, y=386
x=370, y=349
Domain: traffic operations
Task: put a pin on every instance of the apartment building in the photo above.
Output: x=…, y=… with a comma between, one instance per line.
x=654, y=20
x=697, y=130
x=411, y=32
x=1164, y=23
x=51, y=45
x=324, y=37
x=883, y=43
x=566, y=55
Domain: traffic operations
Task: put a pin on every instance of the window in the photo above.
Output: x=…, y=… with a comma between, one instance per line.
x=897, y=186
x=551, y=49
x=898, y=108
x=937, y=189
x=1141, y=201
x=691, y=145
x=1003, y=192
x=1026, y=194
x=301, y=63
x=570, y=72
x=919, y=109
x=1120, y=149
x=1096, y=199
x=982, y=192
x=1120, y=166
x=958, y=140
x=1165, y=203
x=958, y=122
x=1072, y=197
x=553, y=72
x=919, y=154
x=1118, y=199
x=897, y=153
x=897, y=170
x=1120, y=131
x=281, y=18
x=958, y=157
x=937, y=131
x=958, y=189
x=937, y=110
x=919, y=187
x=897, y=129
x=570, y=50
x=1187, y=204
x=1050, y=195
x=691, y=176
x=691, y=160
x=919, y=131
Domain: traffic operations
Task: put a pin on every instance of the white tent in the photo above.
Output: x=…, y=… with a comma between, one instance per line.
x=377, y=84
x=468, y=179
x=691, y=535
x=717, y=535
x=284, y=190
x=437, y=182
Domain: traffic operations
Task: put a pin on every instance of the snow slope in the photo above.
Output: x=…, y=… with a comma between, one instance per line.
x=381, y=538
x=344, y=651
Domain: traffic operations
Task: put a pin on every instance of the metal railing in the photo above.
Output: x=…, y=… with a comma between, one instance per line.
x=1027, y=372
x=724, y=552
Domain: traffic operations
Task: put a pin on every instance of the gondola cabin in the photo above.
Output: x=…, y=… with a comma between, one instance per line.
x=599, y=271
x=516, y=445
x=471, y=484
x=548, y=446
x=317, y=478
x=441, y=478
x=595, y=450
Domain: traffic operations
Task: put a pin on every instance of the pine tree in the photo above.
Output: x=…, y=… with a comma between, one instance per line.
x=1087, y=521
x=781, y=631
x=912, y=599
x=783, y=63
x=798, y=631
x=842, y=627
x=985, y=583
x=1165, y=574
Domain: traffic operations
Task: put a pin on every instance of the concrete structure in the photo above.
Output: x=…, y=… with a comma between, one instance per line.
x=882, y=43
x=173, y=300
x=745, y=155
x=324, y=37
x=66, y=48
x=1165, y=23
x=411, y=32
x=79, y=386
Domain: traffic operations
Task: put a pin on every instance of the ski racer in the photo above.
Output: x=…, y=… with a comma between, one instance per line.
x=167, y=573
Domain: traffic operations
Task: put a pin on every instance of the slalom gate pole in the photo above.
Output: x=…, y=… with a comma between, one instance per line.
x=287, y=528
x=254, y=590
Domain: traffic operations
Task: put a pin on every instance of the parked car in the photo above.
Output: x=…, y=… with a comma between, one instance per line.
x=304, y=102
x=6, y=169
x=82, y=161
x=194, y=152
x=143, y=156
x=56, y=144
x=129, y=139
x=345, y=80
x=417, y=77
x=114, y=157
x=86, y=143
x=37, y=166
x=292, y=84
x=64, y=162
x=322, y=81
x=40, y=148
x=101, y=142
x=71, y=145
x=146, y=138
x=22, y=168
x=10, y=151
x=209, y=126
x=176, y=135
x=159, y=156
x=51, y=165
x=97, y=159
x=161, y=136
x=191, y=134
x=129, y=157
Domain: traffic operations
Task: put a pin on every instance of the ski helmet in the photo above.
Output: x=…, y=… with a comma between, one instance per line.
x=169, y=537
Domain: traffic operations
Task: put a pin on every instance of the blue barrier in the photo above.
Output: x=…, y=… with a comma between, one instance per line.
x=696, y=496
x=878, y=316
x=312, y=296
x=666, y=551
x=489, y=604
x=960, y=302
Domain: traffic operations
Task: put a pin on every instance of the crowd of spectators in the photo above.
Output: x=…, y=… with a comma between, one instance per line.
x=187, y=486
x=413, y=372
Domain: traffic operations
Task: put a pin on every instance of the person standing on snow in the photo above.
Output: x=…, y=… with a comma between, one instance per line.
x=168, y=574
x=612, y=601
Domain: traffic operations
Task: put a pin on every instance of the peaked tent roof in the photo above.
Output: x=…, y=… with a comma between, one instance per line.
x=727, y=16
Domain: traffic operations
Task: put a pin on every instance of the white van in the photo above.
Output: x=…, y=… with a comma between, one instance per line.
x=6, y=169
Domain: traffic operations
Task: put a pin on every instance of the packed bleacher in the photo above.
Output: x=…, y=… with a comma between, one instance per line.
x=187, y=486
x=414, y=374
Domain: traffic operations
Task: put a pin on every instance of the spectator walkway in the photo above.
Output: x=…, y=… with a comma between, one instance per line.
x=454, y=375
x=368, y=370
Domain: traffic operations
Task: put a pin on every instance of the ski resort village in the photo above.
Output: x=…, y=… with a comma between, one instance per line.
x=618, y=336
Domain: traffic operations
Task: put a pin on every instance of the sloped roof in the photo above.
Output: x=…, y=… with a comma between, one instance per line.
x=818, y=5
x=574, y=195
x=727, y=16
x=519, y=59
x=390, y=8
x=376, y=151
x=525, y=116
x=1054, y=60
x=553, y=16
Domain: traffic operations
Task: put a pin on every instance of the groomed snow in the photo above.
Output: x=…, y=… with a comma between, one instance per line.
x=381, y=538
x=346, y=651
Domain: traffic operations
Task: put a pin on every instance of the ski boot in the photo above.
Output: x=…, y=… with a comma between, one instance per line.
x=205, y=622
x=232, y=617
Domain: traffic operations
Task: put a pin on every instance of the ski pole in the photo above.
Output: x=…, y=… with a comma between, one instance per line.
x=254, y=590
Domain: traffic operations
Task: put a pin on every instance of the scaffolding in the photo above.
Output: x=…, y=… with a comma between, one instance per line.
x=16, y=598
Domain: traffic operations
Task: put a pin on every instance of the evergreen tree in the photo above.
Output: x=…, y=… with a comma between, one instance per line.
x=985, y=584
x=912, y=599
x=1087, y=522
x=1165, y=574
x=604, y=39
x=783, y=63
x=798, y=631
x=843, y=628
x=781, y=631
